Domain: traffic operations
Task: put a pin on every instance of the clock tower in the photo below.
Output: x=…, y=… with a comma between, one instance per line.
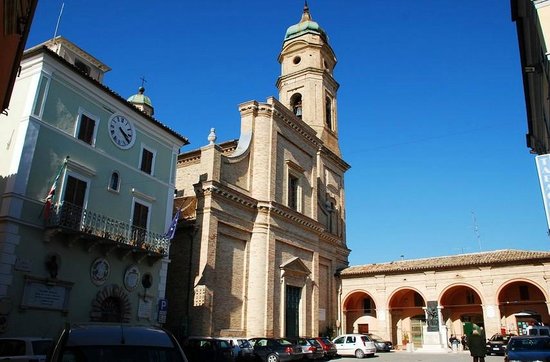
x=306, y=85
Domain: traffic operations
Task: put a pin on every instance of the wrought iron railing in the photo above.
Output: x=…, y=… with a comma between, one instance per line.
x=69, y=216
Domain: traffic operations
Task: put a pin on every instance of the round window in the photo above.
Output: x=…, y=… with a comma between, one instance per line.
x=296, y=60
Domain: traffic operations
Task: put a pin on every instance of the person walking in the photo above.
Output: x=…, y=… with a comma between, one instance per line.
x=476, y=344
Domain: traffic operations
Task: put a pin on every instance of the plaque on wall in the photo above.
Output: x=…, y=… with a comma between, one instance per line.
x=99, y=271
x=131, y=277
x=41, y=293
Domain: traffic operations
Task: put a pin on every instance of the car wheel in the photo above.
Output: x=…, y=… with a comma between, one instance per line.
x=272, y=358
x=359, y=354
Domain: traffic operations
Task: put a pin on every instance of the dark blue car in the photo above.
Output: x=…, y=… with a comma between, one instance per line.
x=528, y=348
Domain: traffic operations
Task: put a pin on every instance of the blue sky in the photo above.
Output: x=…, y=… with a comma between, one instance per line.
x=431, y=109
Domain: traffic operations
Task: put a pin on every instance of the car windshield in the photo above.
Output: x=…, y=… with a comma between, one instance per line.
x=284, y=342
x=525, y=344
x=12, y=347
x=326, y=340
x=375, y=337
x=365, y=338
x=120, y=354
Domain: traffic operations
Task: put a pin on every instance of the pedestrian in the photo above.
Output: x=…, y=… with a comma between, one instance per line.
x=464, y=342
x=453, y=342
x=476, y=344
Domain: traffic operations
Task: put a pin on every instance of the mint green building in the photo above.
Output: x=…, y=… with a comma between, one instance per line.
x=87, y=189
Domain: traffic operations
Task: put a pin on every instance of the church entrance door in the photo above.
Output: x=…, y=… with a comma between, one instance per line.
x=292, y=309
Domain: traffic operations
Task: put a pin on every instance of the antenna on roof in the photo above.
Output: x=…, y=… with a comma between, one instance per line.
x=476, y=229
x=58, y=20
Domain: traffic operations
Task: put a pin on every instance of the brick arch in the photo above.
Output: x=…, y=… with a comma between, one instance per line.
x=461, y=308
x=399, y=291
x=111, y=304
x=359, y=308
x=521, y=302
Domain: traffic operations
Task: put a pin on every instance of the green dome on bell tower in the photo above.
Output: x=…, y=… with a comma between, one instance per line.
x=306, y=25
x=141, y=101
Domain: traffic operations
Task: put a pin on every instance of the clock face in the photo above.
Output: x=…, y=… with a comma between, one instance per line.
x=121, y=131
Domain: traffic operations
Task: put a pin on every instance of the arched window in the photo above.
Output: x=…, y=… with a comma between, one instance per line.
x=296, y=104
x=328, y=112
x=114, y=184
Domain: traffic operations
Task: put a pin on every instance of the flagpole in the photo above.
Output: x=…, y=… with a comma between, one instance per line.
x=48, y=201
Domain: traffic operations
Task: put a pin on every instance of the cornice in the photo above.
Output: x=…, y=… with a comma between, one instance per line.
x=335, y=158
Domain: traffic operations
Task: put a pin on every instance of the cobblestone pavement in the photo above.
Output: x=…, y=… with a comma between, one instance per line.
x=399, y=356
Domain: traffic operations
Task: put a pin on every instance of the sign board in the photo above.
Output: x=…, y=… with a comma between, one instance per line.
x=163, y=309
x=543, y=170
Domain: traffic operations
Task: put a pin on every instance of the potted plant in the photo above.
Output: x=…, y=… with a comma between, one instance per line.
x=405, y=339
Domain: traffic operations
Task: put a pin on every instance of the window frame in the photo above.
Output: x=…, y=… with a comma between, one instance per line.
x=153, y=159
x=294, y=172
x=79, y=177
x=90, y=116
x=142, y=203
x=109, y=186
x=40, y=97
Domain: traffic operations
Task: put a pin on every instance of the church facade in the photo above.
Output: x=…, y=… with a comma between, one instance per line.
x=262, y=233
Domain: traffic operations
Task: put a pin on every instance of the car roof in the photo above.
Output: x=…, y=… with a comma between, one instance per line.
x=32, y=339
x=111, y=335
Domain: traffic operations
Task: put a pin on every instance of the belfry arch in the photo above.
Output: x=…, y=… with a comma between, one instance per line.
x=407, y=317
x=522, y=303
x=461, y=310
x=359, y=312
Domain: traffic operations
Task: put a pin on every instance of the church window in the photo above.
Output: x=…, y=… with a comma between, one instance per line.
x=293, y=191
x=296, y=104
x=328, y=112
x=296, y=60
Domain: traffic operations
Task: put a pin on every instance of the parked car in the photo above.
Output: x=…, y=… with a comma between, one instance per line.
x=241, y=348
x=275, y=349
x=310, y=348
x=200, y=349
x=381, y=344
x=329, y=349
x=115, y=343
x=497, y=343
x=358, y=345
x=538, y=330
x=25, y=348
x=528, y=348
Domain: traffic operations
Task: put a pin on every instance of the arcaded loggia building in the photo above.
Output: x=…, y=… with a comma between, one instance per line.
x=263, y=234
x=423, y=301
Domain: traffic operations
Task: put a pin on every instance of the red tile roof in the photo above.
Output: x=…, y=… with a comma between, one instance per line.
x=461, y=261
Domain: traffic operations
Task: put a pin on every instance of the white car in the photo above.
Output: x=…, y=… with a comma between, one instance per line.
x=358, y=345
x=24, y=348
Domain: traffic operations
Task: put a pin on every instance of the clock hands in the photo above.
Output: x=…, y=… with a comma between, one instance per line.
x=124, y=134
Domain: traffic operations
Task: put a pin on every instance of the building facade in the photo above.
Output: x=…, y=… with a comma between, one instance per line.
x=264, y=218
x=423, y=301
x=532, y=18
x=87, y=188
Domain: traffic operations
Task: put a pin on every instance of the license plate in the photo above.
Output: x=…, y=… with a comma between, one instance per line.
x=495, y=348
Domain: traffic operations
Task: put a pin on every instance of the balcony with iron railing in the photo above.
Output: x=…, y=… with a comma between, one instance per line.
x=77, y=223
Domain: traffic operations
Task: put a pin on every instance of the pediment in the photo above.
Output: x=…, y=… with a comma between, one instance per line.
x=295, y=266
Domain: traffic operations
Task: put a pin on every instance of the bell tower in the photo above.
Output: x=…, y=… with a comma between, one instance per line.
x=306, y=85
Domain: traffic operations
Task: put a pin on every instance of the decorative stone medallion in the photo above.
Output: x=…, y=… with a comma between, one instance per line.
x=99, y=272
x=131, y=277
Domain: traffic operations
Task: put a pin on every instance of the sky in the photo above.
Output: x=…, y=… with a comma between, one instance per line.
x=431, y=109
